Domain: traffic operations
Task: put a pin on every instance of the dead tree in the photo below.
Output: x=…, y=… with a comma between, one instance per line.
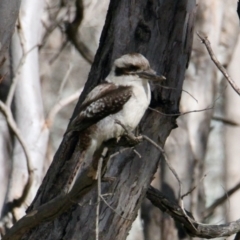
x=163, y=33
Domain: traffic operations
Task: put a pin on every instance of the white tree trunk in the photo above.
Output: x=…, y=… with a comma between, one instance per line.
x=28, y=107
x=232, y=137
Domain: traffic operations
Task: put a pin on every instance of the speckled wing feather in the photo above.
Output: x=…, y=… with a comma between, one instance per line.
x=103, y=100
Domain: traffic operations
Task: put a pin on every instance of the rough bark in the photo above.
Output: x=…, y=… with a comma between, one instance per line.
x=163, y=33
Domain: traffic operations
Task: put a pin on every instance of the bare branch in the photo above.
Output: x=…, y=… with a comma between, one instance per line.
x=72, y=33
x=64, y=81
x=15, y=78
x=167, y=162
x=118, y=214
x=180, y=114
x=53, y=26
x=133, y=138
x=171, y=88
x=207, y=44
x=59, y=105
x=193, y=228
x=225, y=121
x=193, y=188
x=209, y=211
x=55, y=57
x=180, y=198
x=12, y=124
x=99, y=175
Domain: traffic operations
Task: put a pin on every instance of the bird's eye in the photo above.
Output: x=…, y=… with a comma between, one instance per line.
x=132, y=68
x=119, y=71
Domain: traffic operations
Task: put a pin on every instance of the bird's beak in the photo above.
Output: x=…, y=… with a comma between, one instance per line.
x=150, y=75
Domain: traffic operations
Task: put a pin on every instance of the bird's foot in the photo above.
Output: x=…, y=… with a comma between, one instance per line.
x=133, y=140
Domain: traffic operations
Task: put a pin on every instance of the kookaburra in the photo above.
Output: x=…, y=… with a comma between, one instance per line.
x=124, y=96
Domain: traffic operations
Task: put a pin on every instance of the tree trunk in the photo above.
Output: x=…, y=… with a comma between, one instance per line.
x=232, y=134
x=8, y=16
x=28, y=108
x=163, y=33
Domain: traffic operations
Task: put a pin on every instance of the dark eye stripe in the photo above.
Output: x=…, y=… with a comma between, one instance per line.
x=126, y=70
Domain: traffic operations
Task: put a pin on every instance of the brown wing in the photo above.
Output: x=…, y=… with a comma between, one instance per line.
x=104, y=100
x=99, y=91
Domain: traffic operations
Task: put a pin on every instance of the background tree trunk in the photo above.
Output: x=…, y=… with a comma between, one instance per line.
x=28, y=107
x=8, y=16
x=231, y=137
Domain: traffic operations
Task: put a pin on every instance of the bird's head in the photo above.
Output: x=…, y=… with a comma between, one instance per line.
x=134, y=64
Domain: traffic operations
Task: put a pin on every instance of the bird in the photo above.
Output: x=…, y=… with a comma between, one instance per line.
x=123, y=97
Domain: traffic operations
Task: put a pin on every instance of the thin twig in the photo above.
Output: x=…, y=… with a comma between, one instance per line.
x=56, y=22
x=180, y=114
x=98, y=198
x=172, y=88
x=15, y=78
x=207, y=44
x=12, y=124
x=119, y=152
x=153, y=143
x=225, y=121
x=180, y=199
x=137, y=153
x=20, y=64
x=118, y=214
x=55, y=57
x=193, y=228
x=129, y=134
x=209, y=211
x=193, y=188
x=72, y=33
x=99, y=177
x=167, y=162
x=59, y=105
x=64, y=81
